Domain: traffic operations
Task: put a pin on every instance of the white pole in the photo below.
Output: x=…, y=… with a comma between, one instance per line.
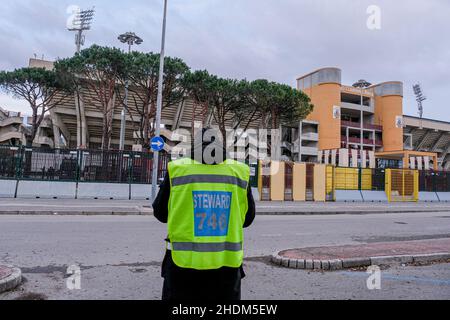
x=362, y=120
x=159, y=106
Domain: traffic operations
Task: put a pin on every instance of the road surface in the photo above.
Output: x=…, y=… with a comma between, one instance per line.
x=120, y=256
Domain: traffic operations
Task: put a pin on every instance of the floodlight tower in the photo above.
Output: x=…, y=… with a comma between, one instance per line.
x=81, y=22
x=129, y=38
x=420, y=97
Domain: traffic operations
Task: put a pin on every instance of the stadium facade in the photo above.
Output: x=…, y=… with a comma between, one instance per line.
x=349, y=126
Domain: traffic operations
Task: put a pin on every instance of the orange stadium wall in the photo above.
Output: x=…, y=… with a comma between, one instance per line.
x=388, y=113
x=324, y=89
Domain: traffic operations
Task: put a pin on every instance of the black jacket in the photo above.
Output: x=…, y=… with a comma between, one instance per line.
x=189, y=284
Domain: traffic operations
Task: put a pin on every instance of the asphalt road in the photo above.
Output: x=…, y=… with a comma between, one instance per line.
x=120, y=256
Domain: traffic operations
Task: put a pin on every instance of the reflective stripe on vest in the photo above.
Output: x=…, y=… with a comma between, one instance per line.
x=207, y=247
x=209, y=178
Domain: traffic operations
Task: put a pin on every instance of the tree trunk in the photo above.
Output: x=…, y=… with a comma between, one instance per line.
x=105, y=141
x=146, y=128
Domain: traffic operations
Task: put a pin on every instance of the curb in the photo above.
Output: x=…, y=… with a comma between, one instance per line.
x=149, y=213
x=12, y=281
x=76, y=213
x=338, y=264
x=328, y=213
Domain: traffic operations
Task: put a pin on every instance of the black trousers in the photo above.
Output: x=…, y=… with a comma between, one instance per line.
x=182, y=284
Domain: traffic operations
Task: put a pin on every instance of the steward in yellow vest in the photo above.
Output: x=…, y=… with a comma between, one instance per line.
x=206, y=208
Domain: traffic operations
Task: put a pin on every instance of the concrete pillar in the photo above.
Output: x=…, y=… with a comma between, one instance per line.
x=277, y=181
x=426, y=161
x=412, y=163
x=363, y=159
x=372, y=160
x=333, y=157
x=299, y=182
x=354, y=158
x=320, y=156
x=276, y=144
x=82, y=130
x=343, y=157
x=320, y=182
x=419, y=163
x=327, y=156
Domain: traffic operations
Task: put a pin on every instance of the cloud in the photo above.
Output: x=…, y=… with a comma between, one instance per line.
x=278, y=40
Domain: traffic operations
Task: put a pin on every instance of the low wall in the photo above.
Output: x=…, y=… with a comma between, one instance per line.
x=428, y=197
x=113, y=191
x=46, y=189
x=374, y=196
x=444, y=196
x=141, y=191
x=348, y=196
x=7, y=188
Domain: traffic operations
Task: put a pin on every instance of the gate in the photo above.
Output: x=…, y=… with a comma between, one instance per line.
x=402, y=185
x=265, y=183
x=378, y=179
x=330, y=196
x=309, y=182
x=288, y=181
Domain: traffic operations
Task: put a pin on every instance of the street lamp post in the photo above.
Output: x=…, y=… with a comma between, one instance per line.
x=129, y=38
x=159, y=105
x=362, y=84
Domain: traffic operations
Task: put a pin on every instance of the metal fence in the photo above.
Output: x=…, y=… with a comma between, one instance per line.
x=434, y=181
x=79, y=165
x=339, y=178
x=402, y=185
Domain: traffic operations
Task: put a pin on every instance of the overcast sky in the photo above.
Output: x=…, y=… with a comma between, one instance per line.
x=274, y=39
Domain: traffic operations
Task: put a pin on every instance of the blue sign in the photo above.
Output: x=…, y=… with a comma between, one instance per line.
x=211, y=213
x=157, y=144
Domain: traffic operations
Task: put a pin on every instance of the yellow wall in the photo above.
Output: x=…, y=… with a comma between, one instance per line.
x=387, y=108
x=277, y=181
x=324, y=97
x=330, y=183
x=299, y=182
x=366, y=179
x=320, y=182
x=346, y=179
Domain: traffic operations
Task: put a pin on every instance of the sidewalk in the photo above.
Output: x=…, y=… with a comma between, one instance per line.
x=353, y=256
x=142, y=207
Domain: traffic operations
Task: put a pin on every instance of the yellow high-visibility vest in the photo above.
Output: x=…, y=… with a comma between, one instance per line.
x=207, y=209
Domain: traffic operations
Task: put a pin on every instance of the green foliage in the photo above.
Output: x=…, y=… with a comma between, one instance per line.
x=29, y=83
x=278, y=104
x=142, y=72
x=42, y=89
x=106, y=72
x=142, y=75
x=98, y=68
x=242, y=102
